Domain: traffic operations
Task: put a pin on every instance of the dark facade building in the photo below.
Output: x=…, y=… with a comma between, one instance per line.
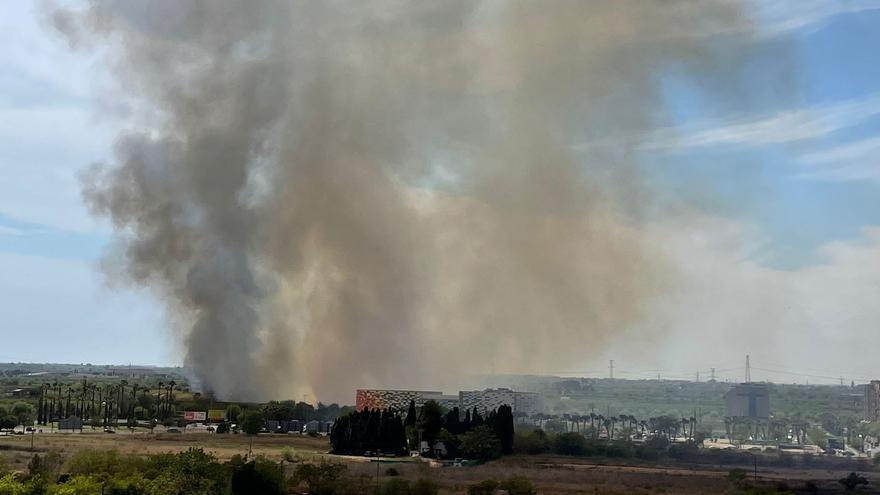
x=748, y=400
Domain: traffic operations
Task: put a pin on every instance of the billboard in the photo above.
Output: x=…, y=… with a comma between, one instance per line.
x=217, y=415
x=194, y=415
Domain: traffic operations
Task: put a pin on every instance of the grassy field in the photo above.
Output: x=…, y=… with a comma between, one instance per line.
x=550, y=474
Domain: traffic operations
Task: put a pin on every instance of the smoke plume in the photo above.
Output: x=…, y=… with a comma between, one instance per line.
x=332, y=195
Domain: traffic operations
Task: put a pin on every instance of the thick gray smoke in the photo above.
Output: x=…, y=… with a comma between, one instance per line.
x=332, y=195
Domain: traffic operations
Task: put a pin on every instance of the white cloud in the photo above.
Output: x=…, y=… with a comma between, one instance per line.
x=786, y=16
x=858, y=160
x=784, y=127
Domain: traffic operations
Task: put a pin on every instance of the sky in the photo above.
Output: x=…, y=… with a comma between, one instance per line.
x=790, y=205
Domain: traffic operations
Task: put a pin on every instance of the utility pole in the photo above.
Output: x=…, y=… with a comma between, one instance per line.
x=611, y=369
x=698, y=377
x=713, y=374
x=748, y=370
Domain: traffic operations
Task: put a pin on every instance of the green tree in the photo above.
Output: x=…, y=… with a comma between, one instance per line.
x=570, y=444
x=251, y=423
x=480, y=443
x=411, y=415
x=233, y=411
x=430, y=422
x=501, y=422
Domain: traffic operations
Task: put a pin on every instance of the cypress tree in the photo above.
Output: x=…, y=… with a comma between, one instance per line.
x=411, y=415
x=453, y=422
x=476, y=419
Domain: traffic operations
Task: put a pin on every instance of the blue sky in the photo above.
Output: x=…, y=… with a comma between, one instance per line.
x=791, y=154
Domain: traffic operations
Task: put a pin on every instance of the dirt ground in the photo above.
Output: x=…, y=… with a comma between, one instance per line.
x=551, y=474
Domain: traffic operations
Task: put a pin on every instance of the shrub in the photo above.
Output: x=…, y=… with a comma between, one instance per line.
x=78, y=485
x=258, y=476
x=289, y=455
x=424, y=486
x=90, y=462
x=45, y=467
x=10, y=486
x=852, y=481
x=485, y=487
x=326, y=478
x=396, y=486
x=481, y=443
x=532, y=443
x=570, y=444
x=736, y=475
x=518, y=485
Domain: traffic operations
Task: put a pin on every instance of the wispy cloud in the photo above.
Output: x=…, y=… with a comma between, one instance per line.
x=858, y=160
x=784, y=127
x=784, y=17
x=5, y=230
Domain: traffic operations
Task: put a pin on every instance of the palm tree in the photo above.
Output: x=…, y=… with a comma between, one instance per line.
x=121, y=406
x=134, y=391
x=159, y=400
x=170, y=398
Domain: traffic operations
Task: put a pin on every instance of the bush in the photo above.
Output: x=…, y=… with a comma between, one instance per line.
x=481, y=443
x=92, y=462
x=485, y=487
x=327, y=478
x=396, y=486
x=424, y=486
x=45, y=467
x=258, y=476
x=532, y=443
x=852, y=481
x=518, y=485
x=10, y=486
x=78, y=485
x=736, y=475
x=570, y=444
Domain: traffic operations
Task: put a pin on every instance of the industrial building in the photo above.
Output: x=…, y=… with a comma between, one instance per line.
x=872, y=401
x=483, y=400
x=748, y=400
x=400, y=399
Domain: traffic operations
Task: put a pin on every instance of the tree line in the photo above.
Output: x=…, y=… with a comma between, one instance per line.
x=446, y=434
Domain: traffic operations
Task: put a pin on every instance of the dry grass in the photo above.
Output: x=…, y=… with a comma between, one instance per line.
x=552, y=475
